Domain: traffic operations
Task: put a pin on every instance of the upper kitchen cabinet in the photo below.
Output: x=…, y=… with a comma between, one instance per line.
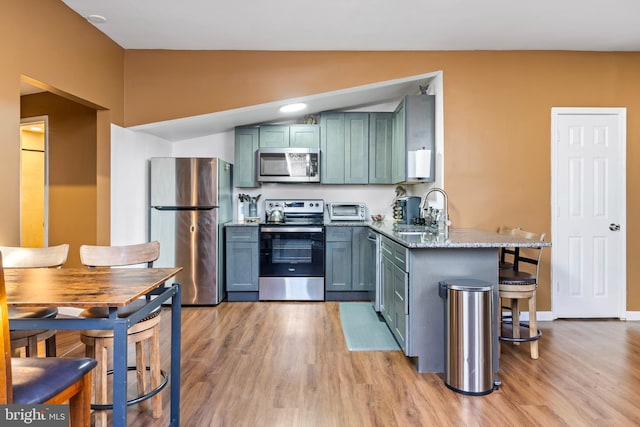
x=304, y=136
x=274, y=136
x=344, y=148
x=246, y=144
x=380, y=148
x=414, y=140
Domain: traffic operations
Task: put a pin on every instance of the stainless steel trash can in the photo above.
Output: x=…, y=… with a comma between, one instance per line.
x=468, y=336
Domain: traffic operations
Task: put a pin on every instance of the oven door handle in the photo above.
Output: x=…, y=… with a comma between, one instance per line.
x=291, y=229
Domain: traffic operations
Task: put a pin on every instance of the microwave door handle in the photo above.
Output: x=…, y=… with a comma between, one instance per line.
x=308, y=156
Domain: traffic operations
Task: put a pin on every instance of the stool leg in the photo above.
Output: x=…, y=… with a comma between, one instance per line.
x=156, y=377
x=533, y=325
x=515, y=318
x=50, y=346
x=141, y=372
x=100, y=380
x=499, y=326
x=32, y=346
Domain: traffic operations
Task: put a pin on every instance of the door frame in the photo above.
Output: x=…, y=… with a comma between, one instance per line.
x=621, y=113
x=45, y=119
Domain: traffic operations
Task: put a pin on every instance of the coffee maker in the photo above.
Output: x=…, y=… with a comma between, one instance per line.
x=406, y=209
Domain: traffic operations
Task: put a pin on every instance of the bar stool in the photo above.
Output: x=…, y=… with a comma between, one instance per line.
x=146, y=330
x=515, y=286
x=19, y=257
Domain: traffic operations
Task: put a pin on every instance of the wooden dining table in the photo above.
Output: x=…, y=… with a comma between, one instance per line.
x=104, y=287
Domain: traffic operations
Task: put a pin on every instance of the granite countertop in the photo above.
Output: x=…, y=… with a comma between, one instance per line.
x=458, y=237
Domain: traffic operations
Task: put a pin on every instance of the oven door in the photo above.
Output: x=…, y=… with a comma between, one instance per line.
x=291, y=263
x=291, y=251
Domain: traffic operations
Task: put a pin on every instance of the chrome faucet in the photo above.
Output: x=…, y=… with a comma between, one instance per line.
x=445, y=213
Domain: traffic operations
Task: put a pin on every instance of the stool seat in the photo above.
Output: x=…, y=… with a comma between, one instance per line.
x=512, y=277
x=37, y=379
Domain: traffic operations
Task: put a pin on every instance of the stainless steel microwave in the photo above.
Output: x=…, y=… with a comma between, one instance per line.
x=347, y=211
x=288, y=165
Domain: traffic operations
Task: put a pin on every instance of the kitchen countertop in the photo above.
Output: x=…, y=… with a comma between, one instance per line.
x=458, y=237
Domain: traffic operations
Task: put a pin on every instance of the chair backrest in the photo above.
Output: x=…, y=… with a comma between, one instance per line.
x=528, y=255
x=507, y=251
x=115, y=256
x=17, y=257
x=6, y=388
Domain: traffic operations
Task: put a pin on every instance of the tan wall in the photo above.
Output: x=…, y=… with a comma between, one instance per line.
x=72, y=170
x=60, y=51
x=497, y=108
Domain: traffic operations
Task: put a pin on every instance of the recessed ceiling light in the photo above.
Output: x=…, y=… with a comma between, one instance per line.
x=96, y=19
x=36, y=129
x=293, y=107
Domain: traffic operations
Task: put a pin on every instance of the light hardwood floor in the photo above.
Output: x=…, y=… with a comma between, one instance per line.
x=286, y=364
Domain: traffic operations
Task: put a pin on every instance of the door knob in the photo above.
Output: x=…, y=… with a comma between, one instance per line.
x=614, y=227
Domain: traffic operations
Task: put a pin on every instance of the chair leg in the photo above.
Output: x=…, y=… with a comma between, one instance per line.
x=156, y=377
x=50, y=346
x=31, y=350
x=515, y=318
x=141, y=372
x=80, y=404
x=100, y=380
x=533, y=325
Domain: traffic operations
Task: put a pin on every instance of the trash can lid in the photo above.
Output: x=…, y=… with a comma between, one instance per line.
x=469, y=285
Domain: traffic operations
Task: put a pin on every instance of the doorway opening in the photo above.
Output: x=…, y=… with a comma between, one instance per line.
x=34, y=218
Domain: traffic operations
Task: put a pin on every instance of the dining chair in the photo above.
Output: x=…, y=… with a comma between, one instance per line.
x=146, y=330
x=43, y=380
x=18, y=257
x=518, y=285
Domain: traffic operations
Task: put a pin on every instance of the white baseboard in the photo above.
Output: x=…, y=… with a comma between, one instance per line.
x=547, y=316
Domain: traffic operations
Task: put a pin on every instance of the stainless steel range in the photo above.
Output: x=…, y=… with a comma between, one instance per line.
x=292, y=251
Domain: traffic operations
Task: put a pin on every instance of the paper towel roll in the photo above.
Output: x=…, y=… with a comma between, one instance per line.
x=419, y=163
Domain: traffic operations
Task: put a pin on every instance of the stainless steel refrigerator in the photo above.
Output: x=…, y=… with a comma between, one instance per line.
x=191, y=200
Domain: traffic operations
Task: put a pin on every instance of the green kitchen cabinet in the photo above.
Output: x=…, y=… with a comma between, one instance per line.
x=394, y=283
x=413, y=130
x=380, y=148
x=398, y=154
x=344, y=147
x=244, y=164
x=338, y=258
x=274, y=136
x=345, y=250
x=332, y=148
x=242, y=261
x=356, y=144
x=304, y=136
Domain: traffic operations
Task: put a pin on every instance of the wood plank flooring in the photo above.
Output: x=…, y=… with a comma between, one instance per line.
x=286, y=364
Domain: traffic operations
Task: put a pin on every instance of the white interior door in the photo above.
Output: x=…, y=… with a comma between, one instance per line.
x=589, y=205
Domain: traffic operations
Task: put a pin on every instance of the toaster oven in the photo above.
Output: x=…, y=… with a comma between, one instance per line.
x=347, y=211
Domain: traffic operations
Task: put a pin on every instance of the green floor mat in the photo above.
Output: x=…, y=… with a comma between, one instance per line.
x=363, y=329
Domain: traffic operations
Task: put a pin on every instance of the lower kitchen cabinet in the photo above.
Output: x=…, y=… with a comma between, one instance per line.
x=394, y=288
x=345, y=250
x=242, y=262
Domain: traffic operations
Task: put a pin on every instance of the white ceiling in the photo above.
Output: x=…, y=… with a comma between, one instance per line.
x=591, y=25
x=368, y=24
